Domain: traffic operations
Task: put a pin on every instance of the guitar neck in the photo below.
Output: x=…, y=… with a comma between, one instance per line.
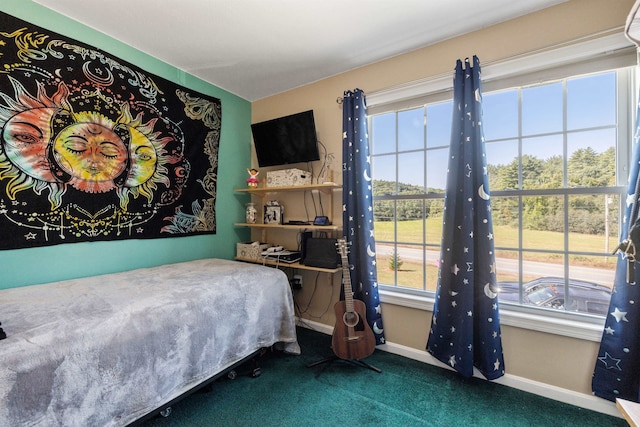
x=346, y=279
x=348, y=291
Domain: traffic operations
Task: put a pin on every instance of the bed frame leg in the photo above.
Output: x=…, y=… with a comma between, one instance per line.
x=255, y=372
x=208, y=385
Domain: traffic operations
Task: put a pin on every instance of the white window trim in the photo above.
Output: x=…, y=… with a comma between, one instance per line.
x=608, y=49
x=552, y=323
x=612, y=48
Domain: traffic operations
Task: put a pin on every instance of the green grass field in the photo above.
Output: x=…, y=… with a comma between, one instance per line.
x=410, y=274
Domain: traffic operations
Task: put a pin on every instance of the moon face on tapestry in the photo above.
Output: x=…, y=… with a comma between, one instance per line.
x=93, y=148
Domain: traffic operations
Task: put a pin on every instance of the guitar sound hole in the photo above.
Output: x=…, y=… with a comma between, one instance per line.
x=350, y=319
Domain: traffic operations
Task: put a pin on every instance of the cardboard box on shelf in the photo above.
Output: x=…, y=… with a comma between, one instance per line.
x=251, y=250
x=288, y=177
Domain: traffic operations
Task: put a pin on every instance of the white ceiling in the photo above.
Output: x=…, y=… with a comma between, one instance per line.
x=257, y=48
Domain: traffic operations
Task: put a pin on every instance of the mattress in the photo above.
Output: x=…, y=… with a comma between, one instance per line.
x=106, y=350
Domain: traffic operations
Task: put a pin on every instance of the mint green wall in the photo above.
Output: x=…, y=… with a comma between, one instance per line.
x=31, y=266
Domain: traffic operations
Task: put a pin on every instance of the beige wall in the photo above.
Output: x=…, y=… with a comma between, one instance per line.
x=551, y=359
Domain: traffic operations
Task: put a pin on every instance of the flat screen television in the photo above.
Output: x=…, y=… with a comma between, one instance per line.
x=286, y=140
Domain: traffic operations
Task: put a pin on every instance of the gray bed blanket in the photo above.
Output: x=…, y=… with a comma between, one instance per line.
x=106, y=350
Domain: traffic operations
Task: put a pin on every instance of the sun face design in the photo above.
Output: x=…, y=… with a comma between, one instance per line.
x=147, y=158
x=95, y=149
x=26, y=136
x=143, y=157
x=47, y=145
x=91, y=153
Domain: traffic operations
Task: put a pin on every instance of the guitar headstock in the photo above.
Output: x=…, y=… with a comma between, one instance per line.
x=342, y=247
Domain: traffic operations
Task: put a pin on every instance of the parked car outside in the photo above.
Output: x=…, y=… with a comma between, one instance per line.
x=584, y=297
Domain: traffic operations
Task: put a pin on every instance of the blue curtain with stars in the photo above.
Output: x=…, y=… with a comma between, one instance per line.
x=357, y=207
x=617, y=368
x=465, y=327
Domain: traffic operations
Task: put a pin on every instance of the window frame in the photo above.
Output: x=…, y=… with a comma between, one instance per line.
x=604, y=53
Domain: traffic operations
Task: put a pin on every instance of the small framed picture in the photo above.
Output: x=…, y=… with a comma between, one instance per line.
x=273, y=214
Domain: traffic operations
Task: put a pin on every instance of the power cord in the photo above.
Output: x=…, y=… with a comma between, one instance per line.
x=306, y=309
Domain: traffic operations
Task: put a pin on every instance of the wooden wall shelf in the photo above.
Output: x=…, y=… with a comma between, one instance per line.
x=291, y=226
x=326, y=187
x=296, y=265
x=263, y=192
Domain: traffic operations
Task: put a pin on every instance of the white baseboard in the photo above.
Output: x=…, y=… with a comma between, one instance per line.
x=581, y=400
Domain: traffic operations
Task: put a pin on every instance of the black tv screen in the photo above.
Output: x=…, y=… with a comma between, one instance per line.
x=285, y=140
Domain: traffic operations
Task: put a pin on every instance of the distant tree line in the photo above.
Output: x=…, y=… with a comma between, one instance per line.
x=585, y=168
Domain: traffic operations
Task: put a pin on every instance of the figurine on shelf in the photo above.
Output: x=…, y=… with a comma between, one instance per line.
x=253, y=180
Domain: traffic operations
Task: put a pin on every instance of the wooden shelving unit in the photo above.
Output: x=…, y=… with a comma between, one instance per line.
x=263, y=193
x=326, y=187
x=296, y=265
x=290, y=226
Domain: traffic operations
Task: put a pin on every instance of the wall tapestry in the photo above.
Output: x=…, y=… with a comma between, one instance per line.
x=93, y=148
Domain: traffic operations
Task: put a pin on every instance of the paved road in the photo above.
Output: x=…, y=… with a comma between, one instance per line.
x=507, y=265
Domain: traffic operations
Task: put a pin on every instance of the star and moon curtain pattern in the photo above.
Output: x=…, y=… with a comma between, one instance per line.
x=617, y=368
x=357, y=207
x=93, y=148
x=465, y=327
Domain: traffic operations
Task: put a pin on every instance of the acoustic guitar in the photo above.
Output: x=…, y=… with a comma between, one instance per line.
x=352, y=336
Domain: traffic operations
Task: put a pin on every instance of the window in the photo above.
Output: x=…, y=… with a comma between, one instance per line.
x=557, y=153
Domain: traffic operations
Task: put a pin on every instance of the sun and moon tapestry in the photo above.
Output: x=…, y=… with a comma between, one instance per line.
x=93, y=148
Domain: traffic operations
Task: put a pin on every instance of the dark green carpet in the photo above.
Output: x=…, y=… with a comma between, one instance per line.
x=406, y=393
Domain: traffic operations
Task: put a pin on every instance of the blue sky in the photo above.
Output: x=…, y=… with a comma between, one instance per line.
x=590, y=120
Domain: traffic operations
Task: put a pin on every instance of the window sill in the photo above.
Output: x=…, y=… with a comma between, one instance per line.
x=575, y=326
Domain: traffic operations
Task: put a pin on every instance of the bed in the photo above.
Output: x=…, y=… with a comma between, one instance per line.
x=108, y=350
